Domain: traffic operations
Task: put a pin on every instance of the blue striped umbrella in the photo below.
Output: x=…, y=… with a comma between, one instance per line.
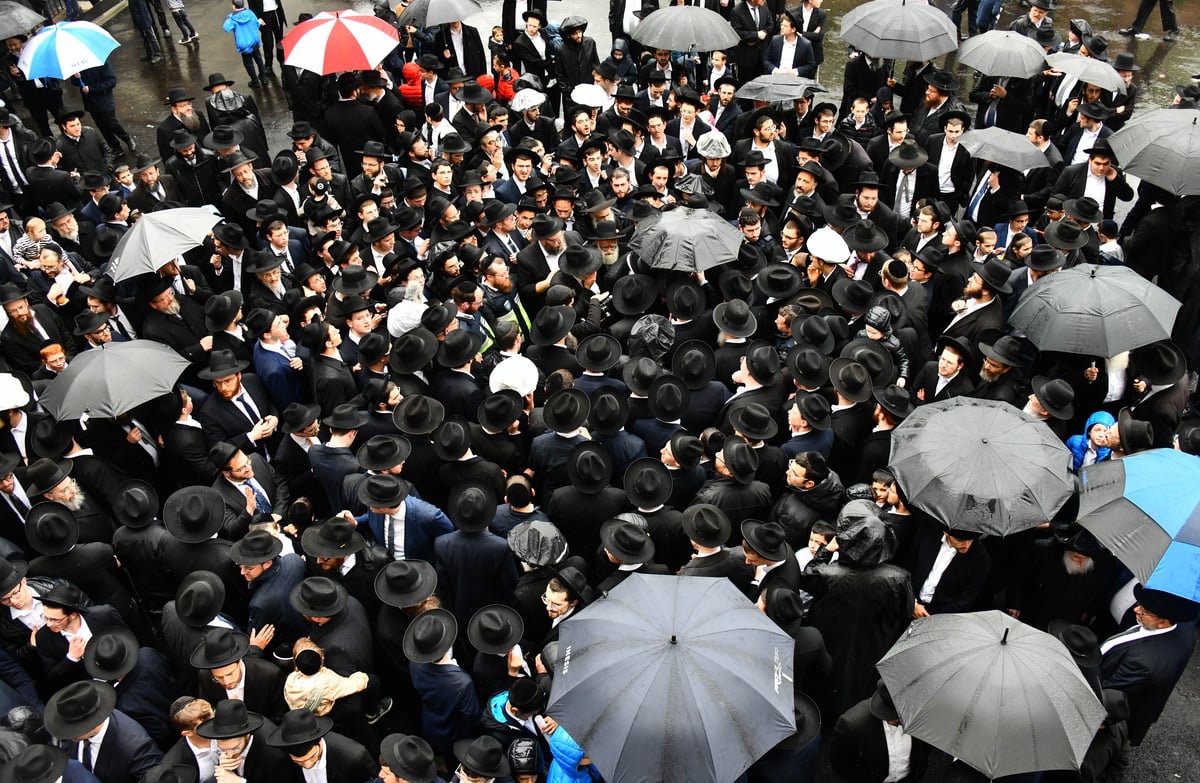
x=65, y=49
x=1146, y=510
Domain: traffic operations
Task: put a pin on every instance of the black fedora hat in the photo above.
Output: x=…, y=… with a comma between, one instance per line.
x=430, y=636
x=355, y=280
x=409, y=758
x=219, y=312
x=1045, y=258
x=850, y=379
x=194, y=514
x=1084, y=209
x=779, y=281
x=626, y=541
x=222, y=363
x=735, y=319
x=754, y=421
x=668, y=398
x=685, y=300
x=768, y=539
x=51, y=528
x=895, y=401
x=843, y=213
x=1005, y=350
x=552, y=324
x=111, y=654
x=418, y=414
x=589, y=467
x=815, y=409
x=706, y=524
x=11, y=574
x=318, y=596
x=255, y=548
x=908, y=154
x=1095, y=110
x=299, y=728
x=199, y=598
x=1135, y=435
x=51, y=439
x=485, y=756
x=296, y=416
x=813, y=331
x=610, y=411
x=865, y=236
x=639, y=373
x=634, y=294
x=335, y=537
x=44, y=475
x=1065, y=235
x=942, y=80
x=695, y=363
x=35, y=764
x=995, y=273
x=686, y=448
x=599, y=352
x=495, y=629
x=1166, y=605
x=1160, y=363
x=230, y=719
x=809, y=366
x=1055, y=395
x=459, y=348
x=499, y=410
x=78, y=708
x=472, y=507
x=1079, y=640
x=852, y=295
x=566, y=410
x=873, y=356
x=405, y=582
x=413, y=351
x=383, y=452
x=647, y=482
x=382, y=490
x=219, y=647
x=740, y=459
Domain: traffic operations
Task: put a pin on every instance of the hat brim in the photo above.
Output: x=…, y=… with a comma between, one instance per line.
x=315, y=546
x=209, y=730
x=296, y=599
x=65, y=728
x=516, y=627
x=423, y=588
x=447, y=631
x=199, y=660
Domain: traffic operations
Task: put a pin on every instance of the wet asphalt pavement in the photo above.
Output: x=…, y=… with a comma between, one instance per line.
x=1169, y=753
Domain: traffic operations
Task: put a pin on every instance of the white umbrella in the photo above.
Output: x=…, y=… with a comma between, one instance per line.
x=158, y=237
x=1003, y=53
x=1088, y=70
x=900, y=30
x=1162, y=146
x=685, y=28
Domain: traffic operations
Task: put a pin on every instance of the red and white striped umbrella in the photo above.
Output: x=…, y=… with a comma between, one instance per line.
x=337, y=41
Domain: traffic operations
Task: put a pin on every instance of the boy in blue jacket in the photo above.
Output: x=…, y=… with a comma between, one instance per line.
x=244, y=25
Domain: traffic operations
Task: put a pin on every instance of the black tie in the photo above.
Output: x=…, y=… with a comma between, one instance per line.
x=17, y=174
x=120, y=327
x=87, y=755
x=18, y=505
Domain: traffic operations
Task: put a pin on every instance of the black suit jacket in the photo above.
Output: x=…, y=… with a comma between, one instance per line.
x=961, y=169
x=52, y=646
x=143, y=200
x=1164, y=411
x=1073, y=179
x=984, y=325
x=48, y=184
x=1146, y=671
x=726, y=564
x=185, y=451
x=22, y=351
x=127, y=753
x=237, y=522
x=224, y=420
x=927, y=379
x=858, y=750
x=348, y=761
x=264, y=687
x=814, y=31
x=349, y=125
x=962, y=580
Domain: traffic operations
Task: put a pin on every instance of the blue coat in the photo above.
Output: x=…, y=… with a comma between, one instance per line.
x=449, y=707
x=126, y=754
x=100, y=82
x=244, y=26
x=473, y=570
x=77, y=773
x=269, y=598
x=423, y=522
x=284, y=385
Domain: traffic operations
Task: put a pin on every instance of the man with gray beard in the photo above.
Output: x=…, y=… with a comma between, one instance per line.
x=1000, y=375
x=1062, y=578
x=179, y=324
x=183, y=116
x=47, y=479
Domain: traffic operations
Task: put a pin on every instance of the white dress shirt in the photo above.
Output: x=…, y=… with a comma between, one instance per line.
x=940, y=563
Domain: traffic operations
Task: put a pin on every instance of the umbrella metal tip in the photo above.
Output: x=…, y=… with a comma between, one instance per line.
x=673, y=639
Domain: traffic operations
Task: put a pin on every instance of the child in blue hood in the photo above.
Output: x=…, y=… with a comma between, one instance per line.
x=1084, y=448
x=244, y=25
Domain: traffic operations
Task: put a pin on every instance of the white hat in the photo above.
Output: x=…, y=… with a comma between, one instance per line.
x=828, y=245
x=527, y=99
x=590, y=95
x=713, y=144
x=12, y=393
x=516, y=373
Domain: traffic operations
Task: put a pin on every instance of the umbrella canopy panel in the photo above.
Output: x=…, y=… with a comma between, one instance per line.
x=1003, y=53
x=339, y=41
x=157, y=238
x=773, y=87
x=1089, y=70
x=1146, y=509
x=673, y=679
x=427, y=13
x=63, y=49
x=685, y=28
x=687, y=240
x=1004, y=147
x=900, y=30
x=17, y=19
x=1162, y=147
x=1002, y=696
x=113, y=379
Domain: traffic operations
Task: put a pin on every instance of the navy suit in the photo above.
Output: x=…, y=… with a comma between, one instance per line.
x=473, y=569
x=1146, y=670
x=146, y=693
x=284, y=385
x=126, y=754
x=423, y=522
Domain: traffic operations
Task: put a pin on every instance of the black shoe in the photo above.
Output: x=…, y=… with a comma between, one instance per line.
x=1171, y=35
x=1127, y=31
x=383, y=708
x=253, y=83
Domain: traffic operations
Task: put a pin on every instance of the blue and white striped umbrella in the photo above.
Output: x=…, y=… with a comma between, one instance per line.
x=65, y=49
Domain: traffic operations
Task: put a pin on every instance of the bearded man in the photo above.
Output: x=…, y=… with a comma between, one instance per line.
x=182, y=115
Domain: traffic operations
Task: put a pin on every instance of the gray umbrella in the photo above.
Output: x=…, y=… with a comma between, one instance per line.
x=673, y=679
x=17, y=19
x=687, y=240
x=685, y=28
x=773, y=87
x=427, y=13
x=113, y=379
x=984, y=687
x=900, y=30
x=1003, y=53
x=981, y=465
x=158, y=237
x=1162, y=146
x=1004, y=148
x=1089, y=70
x=1095, y=311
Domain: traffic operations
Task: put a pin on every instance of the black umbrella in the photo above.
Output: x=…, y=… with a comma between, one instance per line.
x=685, y=28
x=113, y=379
x=673, y=679
x=773, y=87
x=981, y=465
x=687, y=240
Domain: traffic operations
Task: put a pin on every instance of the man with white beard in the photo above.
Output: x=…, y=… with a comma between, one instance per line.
x=1064, y=578
x=51, y=480
x=183, y=115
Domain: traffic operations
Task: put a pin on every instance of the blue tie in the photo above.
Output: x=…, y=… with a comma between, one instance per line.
x=261, y=503
x=973, y=209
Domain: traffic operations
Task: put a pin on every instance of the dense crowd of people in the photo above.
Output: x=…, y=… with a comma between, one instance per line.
x=438, y=399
